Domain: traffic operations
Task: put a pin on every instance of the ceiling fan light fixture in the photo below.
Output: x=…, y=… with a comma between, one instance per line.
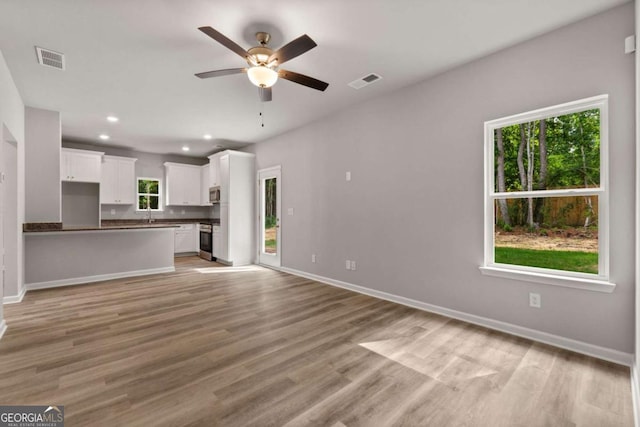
x=262, y=76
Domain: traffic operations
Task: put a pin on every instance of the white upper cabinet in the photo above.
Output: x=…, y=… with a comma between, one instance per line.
x=224, y=171
x=118, y=182
x=183, y=184
x=80, y=165
x=214, y=170
x=204, y=185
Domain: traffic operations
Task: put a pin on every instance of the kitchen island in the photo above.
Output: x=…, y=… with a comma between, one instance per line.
x=75, y=255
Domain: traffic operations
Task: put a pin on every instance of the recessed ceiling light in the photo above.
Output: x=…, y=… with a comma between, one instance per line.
x=207, y=136
x=113, y=119
x=103, y=137
x=185, y=148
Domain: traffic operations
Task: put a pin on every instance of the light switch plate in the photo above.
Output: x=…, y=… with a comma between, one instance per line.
x=353, y=265
x=348, y=265
x=348, y=176
x=290, y=211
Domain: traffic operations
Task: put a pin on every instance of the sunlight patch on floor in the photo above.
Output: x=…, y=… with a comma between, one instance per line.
x=446, y=367
x=241, y=269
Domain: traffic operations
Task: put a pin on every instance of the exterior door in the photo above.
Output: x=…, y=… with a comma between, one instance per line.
x=269, y=226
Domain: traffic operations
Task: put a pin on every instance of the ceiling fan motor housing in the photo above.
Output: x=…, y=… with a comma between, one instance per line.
x=263, y=38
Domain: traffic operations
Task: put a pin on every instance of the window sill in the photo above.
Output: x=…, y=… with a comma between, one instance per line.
x=550, y=279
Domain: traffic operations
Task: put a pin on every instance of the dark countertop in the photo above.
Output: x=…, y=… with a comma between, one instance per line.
x=104, y=228
x=118, y=222
x=106, y=225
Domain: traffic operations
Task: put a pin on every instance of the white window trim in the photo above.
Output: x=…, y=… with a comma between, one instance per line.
x=594, y=282
x=144, y=194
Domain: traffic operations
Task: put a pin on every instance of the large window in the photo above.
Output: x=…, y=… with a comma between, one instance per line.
x=546, y=194
x=149, y=194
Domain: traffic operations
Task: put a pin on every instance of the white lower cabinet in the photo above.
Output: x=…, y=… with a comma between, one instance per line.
x=216, y=241
x=186, y=238
x=223, y=247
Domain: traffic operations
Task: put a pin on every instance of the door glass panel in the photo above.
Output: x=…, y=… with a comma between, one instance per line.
x=270, y=215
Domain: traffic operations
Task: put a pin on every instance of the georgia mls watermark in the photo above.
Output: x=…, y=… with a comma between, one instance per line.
x=31, y=416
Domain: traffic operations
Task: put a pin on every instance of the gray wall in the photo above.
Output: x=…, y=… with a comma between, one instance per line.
x=148, y=165
x=42, y=179
x=412, y=216
x=12, y=123
x=80, y=204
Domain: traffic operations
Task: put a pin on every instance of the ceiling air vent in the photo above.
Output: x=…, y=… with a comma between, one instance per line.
x=50, y=58
x=365, y=81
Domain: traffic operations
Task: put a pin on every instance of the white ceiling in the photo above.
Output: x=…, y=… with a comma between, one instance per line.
x=137, y=59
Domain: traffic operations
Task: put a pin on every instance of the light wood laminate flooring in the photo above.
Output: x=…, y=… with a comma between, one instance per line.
x=210, y=345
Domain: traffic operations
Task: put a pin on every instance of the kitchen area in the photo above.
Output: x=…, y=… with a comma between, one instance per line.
x=124, y=213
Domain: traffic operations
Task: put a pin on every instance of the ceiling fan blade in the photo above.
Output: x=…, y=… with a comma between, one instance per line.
x=265, y=93
x=218, y=73
x=224, y=41
x=292, y=49
x=303, y=80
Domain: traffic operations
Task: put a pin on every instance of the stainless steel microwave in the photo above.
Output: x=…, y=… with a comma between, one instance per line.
x=214, y=195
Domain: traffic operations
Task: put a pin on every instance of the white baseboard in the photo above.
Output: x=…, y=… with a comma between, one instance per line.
x=97, y=278
x=532, y=334
x=635, y=394
x=15, y=299
x=3, y=327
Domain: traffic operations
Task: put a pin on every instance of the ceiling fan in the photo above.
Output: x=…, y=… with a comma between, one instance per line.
x=263, y=62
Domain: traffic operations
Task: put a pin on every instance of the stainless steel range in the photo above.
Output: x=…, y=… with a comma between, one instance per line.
x=206, y=241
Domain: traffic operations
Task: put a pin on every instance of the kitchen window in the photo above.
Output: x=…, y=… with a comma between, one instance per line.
x=547, y=196
x=149, y=194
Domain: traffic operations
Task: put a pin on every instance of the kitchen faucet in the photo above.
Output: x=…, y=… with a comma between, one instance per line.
x=148, y=217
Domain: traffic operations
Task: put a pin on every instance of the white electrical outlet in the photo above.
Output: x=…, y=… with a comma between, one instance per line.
x=348, y=265
x=183, y=212
x=290, y=211
x=534, y=300
x=171, y=211
x=313, y=257
x=348, y=176
x=353, y=265
x=113, y=211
